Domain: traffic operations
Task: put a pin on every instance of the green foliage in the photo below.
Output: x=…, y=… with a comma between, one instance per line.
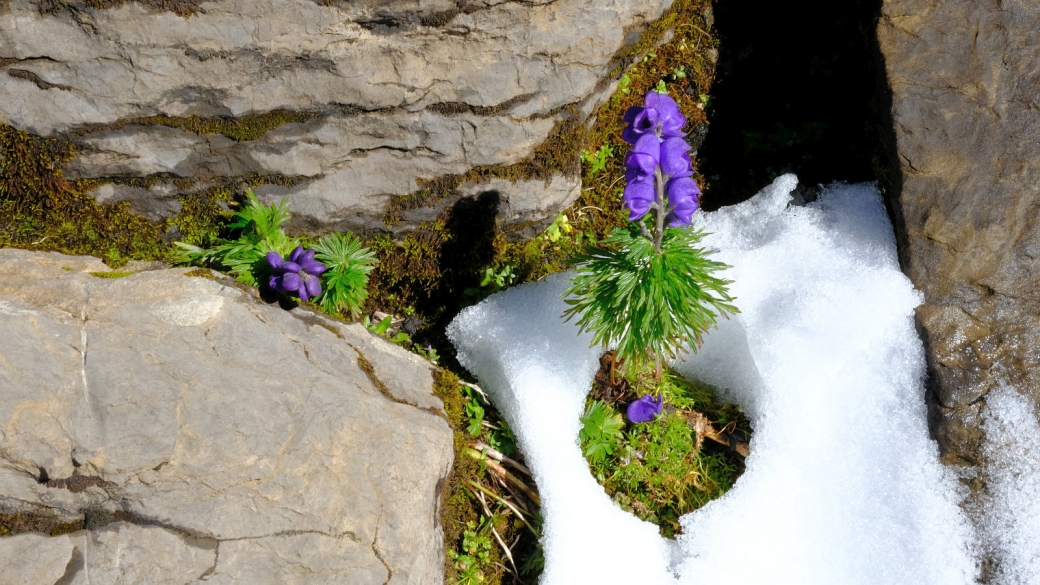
x=474, y=562
x=533, y=564
x=624, y=84
x=492, y=282
x=483, y=423
x=475, y=416
x=597, y=161
x=600, y=431
x=260, y=232
x=346, y=279
x=661, y=87
x=649, y=304
x=259, y=229
x=382, y=329
x=428, y=352
x=656, y=470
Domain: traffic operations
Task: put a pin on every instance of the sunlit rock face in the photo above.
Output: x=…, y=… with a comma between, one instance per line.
x=168, y=428
x=339, y=105
x=964, y=80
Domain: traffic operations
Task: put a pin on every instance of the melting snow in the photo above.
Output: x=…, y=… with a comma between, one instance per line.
x=843, y=485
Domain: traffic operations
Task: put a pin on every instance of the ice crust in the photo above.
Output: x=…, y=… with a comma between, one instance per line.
x=843, y=485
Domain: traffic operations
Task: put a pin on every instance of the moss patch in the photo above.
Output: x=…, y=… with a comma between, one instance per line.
x=183, y=8
x=663, y=469
x=111, y=274
x=240, y=129
x=41, y=210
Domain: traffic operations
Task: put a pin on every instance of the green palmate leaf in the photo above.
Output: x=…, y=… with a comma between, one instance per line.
x=260, y=232
x=600, y=429
x=645, y=303
x=346, y=281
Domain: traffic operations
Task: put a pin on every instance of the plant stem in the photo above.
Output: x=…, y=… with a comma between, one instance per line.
x=661, y=208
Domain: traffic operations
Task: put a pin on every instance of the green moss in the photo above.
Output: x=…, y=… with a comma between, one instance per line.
x=201, y=273
x=110, y=274
x=41, y=210
x=457, y=505
x=658, y=470
x=241, y=129
x=183, y=8
x=44, y=522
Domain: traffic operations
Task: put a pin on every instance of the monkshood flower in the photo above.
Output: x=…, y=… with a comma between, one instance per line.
x=297, y=275
x=659, y=115
x=658, y=168
x=649, y=290
x=645, y=409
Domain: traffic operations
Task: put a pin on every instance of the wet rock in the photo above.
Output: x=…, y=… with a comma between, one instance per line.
x=964, y=78
x=181, y=421
x=347, y=103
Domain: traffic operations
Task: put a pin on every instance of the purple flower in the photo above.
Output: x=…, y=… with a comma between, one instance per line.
x=643, y=158
x=298, y=275
x=675, y=158
x=639, y=195
x=660, y=115
x=644, y=409
x=682, y=195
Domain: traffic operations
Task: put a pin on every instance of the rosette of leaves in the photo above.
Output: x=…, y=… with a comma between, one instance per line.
x=258, y=229
x=648, y=304
x=346, y=279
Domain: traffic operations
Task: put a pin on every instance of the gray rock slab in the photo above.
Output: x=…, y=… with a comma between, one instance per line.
x=126, y=554
x=400, y=92
x=34, y=559
x=187, y=404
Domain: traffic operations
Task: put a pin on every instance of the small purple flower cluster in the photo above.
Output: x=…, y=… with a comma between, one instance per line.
x=298, y=275
x=659, y=156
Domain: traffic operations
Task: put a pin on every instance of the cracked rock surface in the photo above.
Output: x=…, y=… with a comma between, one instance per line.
x=179, y=428
x=395, y=92
x=964, y=79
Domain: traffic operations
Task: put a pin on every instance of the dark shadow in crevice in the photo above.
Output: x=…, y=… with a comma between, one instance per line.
x=792, y=95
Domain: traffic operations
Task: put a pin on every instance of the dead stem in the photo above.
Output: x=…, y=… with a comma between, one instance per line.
x=494, y=532
x=498, y=456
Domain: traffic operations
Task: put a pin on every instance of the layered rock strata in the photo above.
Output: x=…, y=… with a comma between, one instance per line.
x=341, y=106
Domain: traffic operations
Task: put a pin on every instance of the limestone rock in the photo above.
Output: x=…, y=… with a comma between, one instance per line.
x=181, y=420
x=964, y=78
x=33, y=559
x=347, y=103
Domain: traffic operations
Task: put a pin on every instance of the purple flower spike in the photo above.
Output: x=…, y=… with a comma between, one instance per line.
x=297, y=276
x=645, y=409
x=641, y=121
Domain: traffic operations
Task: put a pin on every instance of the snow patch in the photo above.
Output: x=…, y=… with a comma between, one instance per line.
x=843, y=484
